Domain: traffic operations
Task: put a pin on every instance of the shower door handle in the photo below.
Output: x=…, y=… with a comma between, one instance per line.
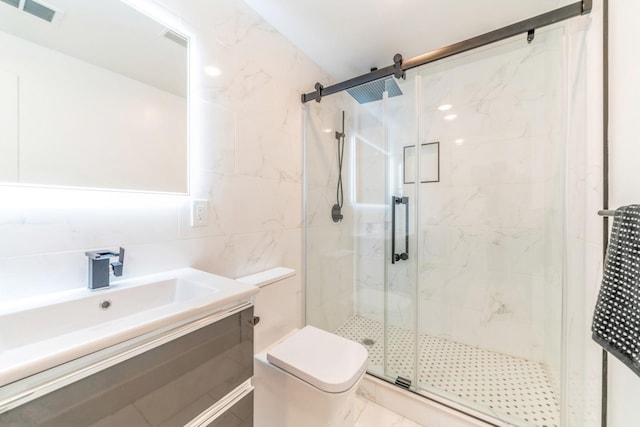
x=395, y=201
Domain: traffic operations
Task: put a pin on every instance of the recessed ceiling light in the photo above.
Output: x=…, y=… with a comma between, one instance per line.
x=445, y=107
x=450, y=117
x=459, y=141
x=327, y=130
x=212, y=71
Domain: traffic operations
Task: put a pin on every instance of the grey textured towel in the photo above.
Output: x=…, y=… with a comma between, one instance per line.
x=616, y=321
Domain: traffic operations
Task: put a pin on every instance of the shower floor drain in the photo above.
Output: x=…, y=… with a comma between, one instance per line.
x=368, y=341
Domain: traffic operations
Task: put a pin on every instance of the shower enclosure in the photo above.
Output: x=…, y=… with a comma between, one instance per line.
x=448, y=262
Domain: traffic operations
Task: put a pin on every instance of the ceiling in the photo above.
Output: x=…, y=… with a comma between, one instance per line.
x=348, y=37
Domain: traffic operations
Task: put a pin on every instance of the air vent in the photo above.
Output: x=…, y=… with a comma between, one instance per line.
x=176, y=38
x=14, y=3
x=39, y=10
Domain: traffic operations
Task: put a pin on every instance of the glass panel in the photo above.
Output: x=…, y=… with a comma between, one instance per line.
x=347, y=261
x=490, y=283
x=400, y=261
x=329, y=249
x=370, y=215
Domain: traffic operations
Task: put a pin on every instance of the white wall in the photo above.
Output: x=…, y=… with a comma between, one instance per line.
x=8, y=126
x=246, y=160
x=624, y=174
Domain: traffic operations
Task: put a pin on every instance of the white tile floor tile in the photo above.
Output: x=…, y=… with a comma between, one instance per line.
x=507, y=387
x=374, y=415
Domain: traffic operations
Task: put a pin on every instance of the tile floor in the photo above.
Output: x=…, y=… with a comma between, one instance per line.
x=370, y=414
x=506, y=387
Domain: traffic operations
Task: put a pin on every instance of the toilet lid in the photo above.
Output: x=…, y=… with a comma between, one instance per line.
x=324, y=360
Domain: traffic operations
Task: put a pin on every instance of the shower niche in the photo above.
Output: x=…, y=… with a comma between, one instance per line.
x=429, y=163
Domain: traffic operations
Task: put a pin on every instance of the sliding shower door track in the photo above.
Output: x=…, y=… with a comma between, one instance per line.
x=434, y=399
x=400, y=66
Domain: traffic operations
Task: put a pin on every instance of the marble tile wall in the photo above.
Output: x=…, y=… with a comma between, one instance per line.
x=246, y=160
x=491, y=263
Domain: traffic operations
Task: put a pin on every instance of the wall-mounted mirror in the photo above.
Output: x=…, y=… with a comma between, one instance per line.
x=93, y=94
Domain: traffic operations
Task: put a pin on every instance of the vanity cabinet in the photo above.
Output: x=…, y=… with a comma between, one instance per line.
x=201, y=378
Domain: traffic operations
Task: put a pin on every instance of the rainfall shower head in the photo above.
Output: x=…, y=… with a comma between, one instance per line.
x=373, y=91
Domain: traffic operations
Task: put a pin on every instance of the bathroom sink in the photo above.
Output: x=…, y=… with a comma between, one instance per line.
x=39, y=333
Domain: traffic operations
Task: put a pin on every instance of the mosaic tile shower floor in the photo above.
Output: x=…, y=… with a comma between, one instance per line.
x=512, y=388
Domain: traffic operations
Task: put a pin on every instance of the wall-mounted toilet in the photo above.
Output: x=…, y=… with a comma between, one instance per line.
x=302, y=377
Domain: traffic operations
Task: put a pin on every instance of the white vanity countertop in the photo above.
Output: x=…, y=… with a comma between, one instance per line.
x=39, y=333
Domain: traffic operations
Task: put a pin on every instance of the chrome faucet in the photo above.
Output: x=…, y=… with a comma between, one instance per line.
x=99, y=267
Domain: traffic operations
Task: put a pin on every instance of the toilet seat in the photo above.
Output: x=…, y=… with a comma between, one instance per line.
x=326, y=361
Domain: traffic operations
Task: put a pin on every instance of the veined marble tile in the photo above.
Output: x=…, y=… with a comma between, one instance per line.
x=520, y=160
x=434, y=318
x=255, y=252
x=258, y=212
x=214, y=146
x=506, y=205
x=501, y=334
x=513, y=250
x=47, y=230
x=371, y=217
x=319, y=206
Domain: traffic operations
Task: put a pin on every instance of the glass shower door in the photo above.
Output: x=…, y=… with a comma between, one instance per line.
x=402, y=179
x=490, y=281
x=360, y=271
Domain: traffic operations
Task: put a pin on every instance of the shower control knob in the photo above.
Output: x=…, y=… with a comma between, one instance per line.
x=336, y=213
x=403, y=256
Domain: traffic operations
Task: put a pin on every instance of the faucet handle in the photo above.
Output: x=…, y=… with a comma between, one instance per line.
x=118, y=265
x=101, y=254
